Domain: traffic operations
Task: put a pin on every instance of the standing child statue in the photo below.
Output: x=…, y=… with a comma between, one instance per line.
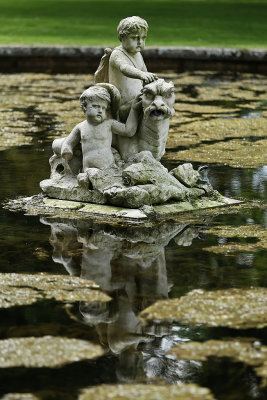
x=124, y=67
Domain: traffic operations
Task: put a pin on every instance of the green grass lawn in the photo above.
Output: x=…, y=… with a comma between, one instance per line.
x=232, y=23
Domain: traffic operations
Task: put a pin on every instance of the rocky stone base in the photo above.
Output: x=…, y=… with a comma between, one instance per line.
x=41, y=205
x=140, y=181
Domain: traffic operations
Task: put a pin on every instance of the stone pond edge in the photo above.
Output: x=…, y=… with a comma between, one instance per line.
x=187, y=52
x=16, y=58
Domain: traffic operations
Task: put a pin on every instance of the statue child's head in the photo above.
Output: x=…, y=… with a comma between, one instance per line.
x=95, y=102
x=132, y=33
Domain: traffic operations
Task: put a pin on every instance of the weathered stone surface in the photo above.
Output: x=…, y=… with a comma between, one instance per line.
x=146, y=392
x=186, y=174
x=141, y=181
x=68, y=189
x=47, y=351
x=233, y=308
x=37, y=205
x=63, y=204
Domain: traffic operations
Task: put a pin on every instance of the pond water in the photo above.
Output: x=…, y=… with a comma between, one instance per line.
x=221, y=121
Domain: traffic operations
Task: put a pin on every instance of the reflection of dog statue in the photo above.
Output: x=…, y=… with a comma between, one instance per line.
x=157, y=104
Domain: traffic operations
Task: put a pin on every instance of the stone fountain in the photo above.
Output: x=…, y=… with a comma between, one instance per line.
x=113, y=157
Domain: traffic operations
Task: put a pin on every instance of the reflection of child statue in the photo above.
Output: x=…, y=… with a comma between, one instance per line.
x=126, y=68
x=95, y=133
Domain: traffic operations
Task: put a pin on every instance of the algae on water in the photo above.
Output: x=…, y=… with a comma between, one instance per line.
x=146, y=392
x=46, y=351
x=251, y=231
x=19, y=396
x=221, y=119
x=233, y=308
x=248, y=352
x=25, y=289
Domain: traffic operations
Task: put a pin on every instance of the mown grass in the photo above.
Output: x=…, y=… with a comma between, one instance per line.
x=235, y=23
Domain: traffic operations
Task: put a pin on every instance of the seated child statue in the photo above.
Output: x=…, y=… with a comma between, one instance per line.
x=95, y=132
x=126, y=68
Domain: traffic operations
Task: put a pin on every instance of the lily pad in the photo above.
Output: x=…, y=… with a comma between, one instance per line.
x=146, y=392
x=233, y=308
x=250, y=353
x=25, y=289
x=46, y=351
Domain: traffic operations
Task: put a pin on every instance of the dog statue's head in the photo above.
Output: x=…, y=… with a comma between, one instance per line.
x=158, y=100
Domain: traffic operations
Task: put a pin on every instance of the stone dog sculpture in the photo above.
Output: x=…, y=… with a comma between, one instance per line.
x=113, y=157
x=157, y=108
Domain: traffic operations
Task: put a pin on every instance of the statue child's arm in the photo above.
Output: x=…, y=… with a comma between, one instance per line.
x=129, y=129
x=70, y=142
x=132, y=72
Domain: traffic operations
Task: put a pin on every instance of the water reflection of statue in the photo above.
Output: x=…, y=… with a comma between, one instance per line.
x=129, y=264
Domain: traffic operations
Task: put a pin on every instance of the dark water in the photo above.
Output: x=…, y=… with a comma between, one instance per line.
x=135, y=267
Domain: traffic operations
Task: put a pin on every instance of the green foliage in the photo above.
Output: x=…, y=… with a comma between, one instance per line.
x=236, y=23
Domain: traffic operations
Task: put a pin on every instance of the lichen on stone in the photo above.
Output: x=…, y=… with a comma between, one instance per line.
x=46, y=351
x=26, y=289
x=146, y=392
x=232, y=308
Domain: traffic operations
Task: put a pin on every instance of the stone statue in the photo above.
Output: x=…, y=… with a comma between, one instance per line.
x=124, y=67
x=113, y=157
x=157, y=99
